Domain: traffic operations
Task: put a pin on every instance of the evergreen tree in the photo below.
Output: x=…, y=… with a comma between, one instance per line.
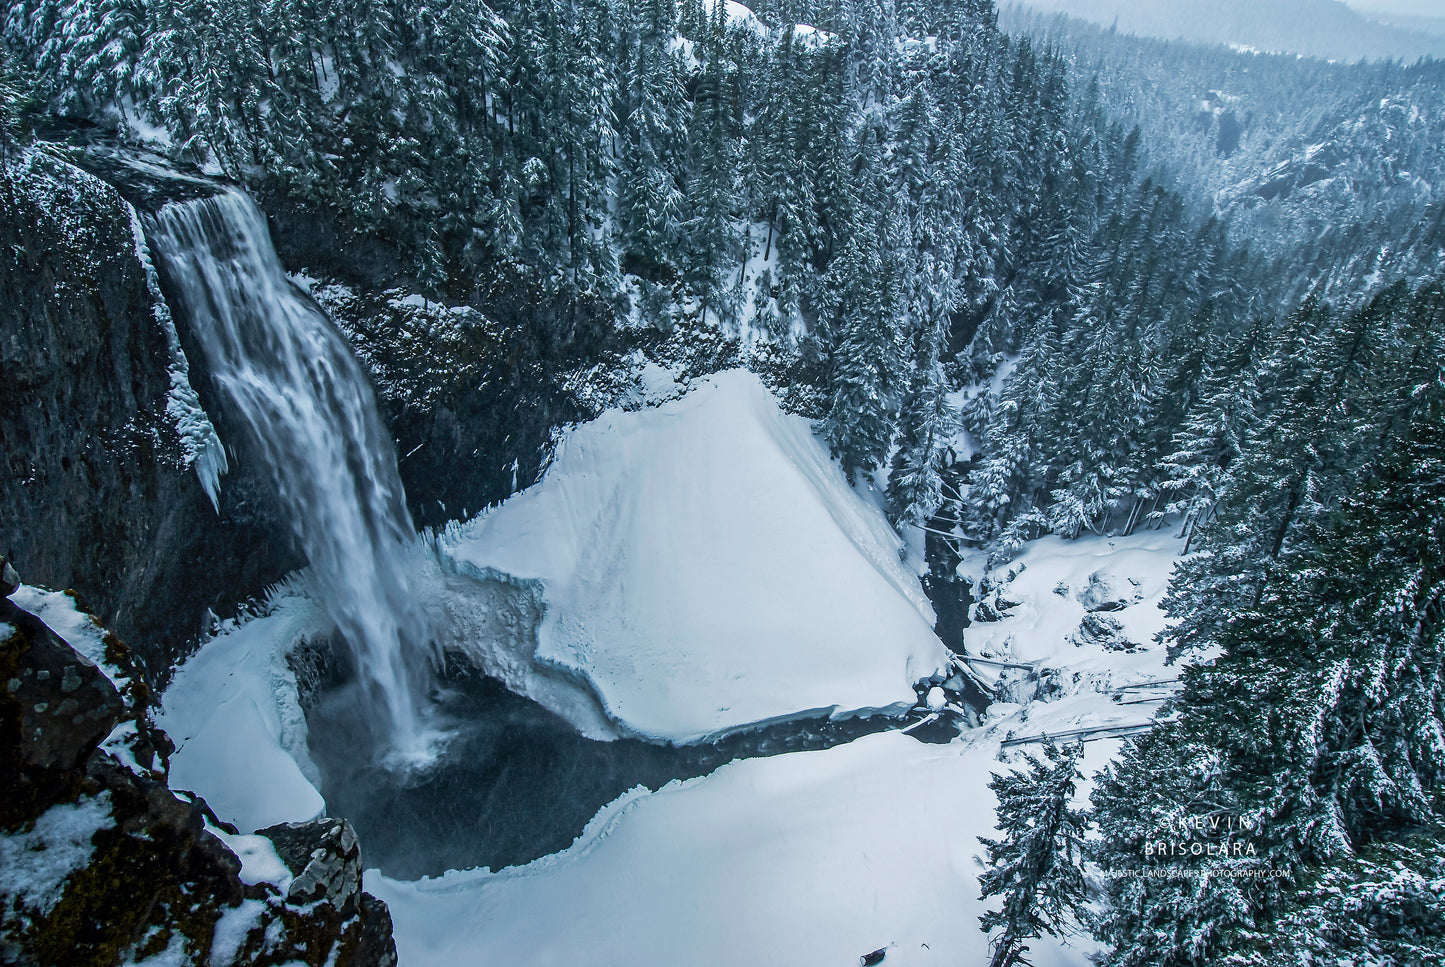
x=712, y=226
x=650, y=124
x=1037, y=867
x=1319, y=725
x=868, y=309
x=13, y=98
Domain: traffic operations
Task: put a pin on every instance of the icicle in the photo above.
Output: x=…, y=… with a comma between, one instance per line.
x=200, y=445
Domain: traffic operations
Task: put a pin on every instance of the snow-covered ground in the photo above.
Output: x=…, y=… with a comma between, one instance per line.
x=233, y=713
x=704, y=564
x=1081, y=658
x=1056, y=582
x=801, y=860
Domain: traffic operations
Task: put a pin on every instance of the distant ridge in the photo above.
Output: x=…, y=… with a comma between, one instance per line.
x=1434, y=26
x=1317, y=28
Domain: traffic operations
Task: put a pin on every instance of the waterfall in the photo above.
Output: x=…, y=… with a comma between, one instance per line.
x=290, y=377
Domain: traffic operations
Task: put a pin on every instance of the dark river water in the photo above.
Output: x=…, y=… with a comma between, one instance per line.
x=515, y=782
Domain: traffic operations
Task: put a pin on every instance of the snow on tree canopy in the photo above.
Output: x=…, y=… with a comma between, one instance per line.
x=707, y=567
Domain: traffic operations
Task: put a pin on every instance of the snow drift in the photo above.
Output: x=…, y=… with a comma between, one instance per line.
x=706, y=566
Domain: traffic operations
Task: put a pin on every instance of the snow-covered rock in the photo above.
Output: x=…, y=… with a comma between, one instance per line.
x=35, y=863
x=936, y=699
x=1102, y=594
x=322, y=859
x=99, y=855
x=1102, y=631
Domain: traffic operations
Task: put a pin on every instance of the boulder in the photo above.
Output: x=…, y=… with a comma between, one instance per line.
x=1102, y=594
x=55, y=709
x=374, y=944
x=324, y=857
x=1104, y=631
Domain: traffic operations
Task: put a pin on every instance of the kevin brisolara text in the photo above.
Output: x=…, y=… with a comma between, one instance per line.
x=1196, y=848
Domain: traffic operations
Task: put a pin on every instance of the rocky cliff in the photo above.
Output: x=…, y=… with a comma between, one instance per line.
x=101, y=863
x=470, y=386
x=95, y=490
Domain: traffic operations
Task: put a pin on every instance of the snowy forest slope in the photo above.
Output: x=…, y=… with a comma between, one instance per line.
x=900, y=197
x=1332, y=170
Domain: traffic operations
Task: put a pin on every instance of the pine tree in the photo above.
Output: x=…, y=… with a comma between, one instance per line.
x=1302, y=455
x=1319, y=724
x=13, y=98
x=1213, y=435
x=650, y=124
x=712, y=226
x=868, y=362
x=915, y=486
x=1037, y=867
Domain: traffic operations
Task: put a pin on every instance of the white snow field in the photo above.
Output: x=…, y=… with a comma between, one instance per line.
x=707, y=567
x=815, y=858
x=1055, y=583
x=811, y=859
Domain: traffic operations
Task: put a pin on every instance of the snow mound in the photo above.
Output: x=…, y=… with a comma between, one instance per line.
x=233, y=713
x=706, y=567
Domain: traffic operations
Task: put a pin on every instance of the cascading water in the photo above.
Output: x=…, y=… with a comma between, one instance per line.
x=309, y=407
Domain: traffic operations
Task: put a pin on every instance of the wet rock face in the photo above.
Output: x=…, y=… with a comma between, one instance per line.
x=93, y=494
x=470, y=400
x=55, y=708
x=471, y=388
x=103, y=864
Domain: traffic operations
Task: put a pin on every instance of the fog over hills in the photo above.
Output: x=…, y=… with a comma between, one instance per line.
x=1318, y=28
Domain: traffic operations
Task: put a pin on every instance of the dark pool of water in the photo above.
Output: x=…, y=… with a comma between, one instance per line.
x=516, y=782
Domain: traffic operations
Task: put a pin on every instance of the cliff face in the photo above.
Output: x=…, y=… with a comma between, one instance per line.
x=95, y=493
x=471, y=389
